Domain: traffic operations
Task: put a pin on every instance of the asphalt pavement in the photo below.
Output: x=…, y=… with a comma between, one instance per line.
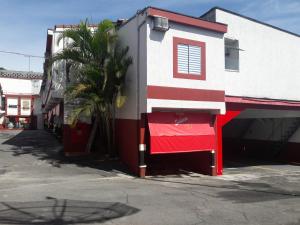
x=38, y=185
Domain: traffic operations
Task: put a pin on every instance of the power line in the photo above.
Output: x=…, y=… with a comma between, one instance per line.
x=29, y=56
x=23, y=54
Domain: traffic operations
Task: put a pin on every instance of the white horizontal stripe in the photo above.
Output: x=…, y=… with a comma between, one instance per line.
x=215, y=107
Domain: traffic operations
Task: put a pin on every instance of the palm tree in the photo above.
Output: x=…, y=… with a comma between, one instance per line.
x=96, y=66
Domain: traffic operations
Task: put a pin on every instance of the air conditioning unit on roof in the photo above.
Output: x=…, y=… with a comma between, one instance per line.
x=160, y=23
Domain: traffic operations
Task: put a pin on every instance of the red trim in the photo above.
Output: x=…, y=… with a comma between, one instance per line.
x=176, y=74
x=19, y=95
x=188, y=20
x=258, y=101
x=188, y=94
x=19, y=106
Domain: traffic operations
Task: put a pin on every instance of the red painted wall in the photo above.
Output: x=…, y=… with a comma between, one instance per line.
x=127, y=142
x=75, y=139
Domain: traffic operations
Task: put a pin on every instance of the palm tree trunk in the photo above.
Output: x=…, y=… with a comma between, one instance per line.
x=92, y=135
x=108, y=133
x=113, y=125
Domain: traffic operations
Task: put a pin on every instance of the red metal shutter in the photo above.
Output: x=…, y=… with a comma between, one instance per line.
x=180, y=132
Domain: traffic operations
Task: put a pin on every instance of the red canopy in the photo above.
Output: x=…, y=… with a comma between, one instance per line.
x=180, y=132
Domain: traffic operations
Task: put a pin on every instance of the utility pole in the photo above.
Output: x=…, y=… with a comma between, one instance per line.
x=28, y=62
x=25, y=55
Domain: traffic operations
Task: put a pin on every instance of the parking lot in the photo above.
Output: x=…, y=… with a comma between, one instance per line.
x=39, y=186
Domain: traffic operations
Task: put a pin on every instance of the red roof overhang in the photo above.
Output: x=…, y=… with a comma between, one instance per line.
x=188, y=20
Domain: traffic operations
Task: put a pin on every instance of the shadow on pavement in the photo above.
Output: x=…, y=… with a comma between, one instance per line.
x=62, y=211
x=241, y=192
x=44, y=146
x=247, y=162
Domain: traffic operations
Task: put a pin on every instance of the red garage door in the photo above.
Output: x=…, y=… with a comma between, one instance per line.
x=180, y=132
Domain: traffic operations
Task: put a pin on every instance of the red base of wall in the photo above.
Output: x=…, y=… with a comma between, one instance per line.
x=292, y=153
x=75, y=139
x=261, y=149
x=127, y=143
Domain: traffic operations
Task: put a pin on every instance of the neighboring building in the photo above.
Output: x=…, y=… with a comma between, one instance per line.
x=20, y=97
x=2, y=108
x=191, y=76
x=54, y=106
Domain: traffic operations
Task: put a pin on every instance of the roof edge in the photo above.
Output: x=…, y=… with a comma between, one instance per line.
x=188, y=20
x=249, y=18
x=181, y=18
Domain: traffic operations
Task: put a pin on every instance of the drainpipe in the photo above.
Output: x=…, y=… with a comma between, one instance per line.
x=141, y=123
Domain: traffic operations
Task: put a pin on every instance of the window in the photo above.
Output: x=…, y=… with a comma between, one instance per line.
x=232, y=54
x=188, y=59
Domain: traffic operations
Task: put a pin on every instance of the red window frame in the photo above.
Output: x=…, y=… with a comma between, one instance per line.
x=176, y=74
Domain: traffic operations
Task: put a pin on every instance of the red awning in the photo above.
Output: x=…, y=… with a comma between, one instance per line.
x=180, y=132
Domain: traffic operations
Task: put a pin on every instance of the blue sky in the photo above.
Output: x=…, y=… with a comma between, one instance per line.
x=24, y=23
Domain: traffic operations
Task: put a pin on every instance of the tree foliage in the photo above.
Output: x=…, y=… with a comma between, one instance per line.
x=96, y=66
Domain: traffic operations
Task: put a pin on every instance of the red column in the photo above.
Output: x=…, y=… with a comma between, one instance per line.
x=222, y=120
x=19, y=106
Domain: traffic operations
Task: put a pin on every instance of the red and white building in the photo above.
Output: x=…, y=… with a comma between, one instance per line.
x=192, y=76
x=20, y=99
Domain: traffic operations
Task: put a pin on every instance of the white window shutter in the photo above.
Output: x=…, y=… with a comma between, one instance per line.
x=183, y=58
x=194, y=60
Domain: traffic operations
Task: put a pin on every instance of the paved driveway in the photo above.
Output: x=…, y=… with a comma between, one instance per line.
x=39, y=186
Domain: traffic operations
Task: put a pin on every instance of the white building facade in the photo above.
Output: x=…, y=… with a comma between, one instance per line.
x=54, y=106
x=20, y=97
x=189, y=78
x=195, y=75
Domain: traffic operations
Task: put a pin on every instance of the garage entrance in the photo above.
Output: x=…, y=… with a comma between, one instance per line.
x=262, y=137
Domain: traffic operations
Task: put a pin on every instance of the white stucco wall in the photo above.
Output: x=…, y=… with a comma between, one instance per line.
x=128, y=36
x=269, y=62
x=160, y=64
x=156, y=66
x=20, y=86
x=160, y=57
